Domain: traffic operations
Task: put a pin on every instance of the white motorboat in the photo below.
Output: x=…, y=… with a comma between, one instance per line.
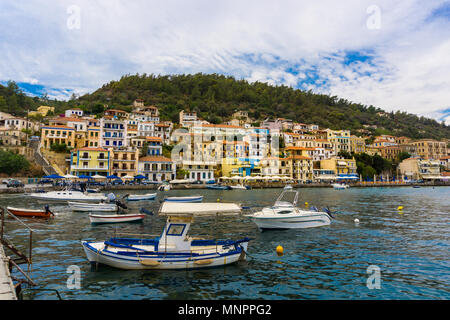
x=239, y=187
x=164, y=187
x=340, y=186
x=93, y=207
x=115, y=218
x=285, y=215
x=68, y=195
x=140, y=197
x=174, y=249
x=288, y=187
x=184, y=199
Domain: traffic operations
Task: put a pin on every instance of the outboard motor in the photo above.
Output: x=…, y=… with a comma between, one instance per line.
x=120, y=204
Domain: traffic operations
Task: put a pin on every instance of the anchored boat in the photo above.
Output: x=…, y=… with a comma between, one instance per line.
x=68, y=195
x=174, y=249
x=218, y=187
x=285, y=215
x=184, y=199
x=31, y=213
x=140, y=197
x=115, y=218
x=90, y=207
x=340, y=186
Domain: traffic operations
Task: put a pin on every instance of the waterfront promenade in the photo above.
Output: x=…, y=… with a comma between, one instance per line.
x=255, y=185
x=7, y=291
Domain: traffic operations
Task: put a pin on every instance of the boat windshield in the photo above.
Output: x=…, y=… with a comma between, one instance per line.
x=287, y=198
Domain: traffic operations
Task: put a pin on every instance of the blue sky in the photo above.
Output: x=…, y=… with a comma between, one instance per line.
x=394, y=55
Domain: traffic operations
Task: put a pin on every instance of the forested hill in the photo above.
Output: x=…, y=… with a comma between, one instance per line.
x=216, y=97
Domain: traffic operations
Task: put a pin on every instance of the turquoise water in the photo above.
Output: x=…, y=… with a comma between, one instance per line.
x=410, y=249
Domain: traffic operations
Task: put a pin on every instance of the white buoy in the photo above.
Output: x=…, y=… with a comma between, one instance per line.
x=356, y=221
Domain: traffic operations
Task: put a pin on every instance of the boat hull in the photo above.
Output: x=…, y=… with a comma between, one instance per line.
x=160, y=260
x=63, y=196
x=116, y=218
x=150, y=196
x=315, y=219
x=29, y=213
x=184, y=199
x=92, y=207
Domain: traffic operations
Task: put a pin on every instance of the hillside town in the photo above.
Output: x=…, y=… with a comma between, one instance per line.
x=138, y=143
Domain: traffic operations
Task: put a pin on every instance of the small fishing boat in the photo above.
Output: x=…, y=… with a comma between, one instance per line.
x=92, y=207
x=288, y=187
x=115, y=218
x=31, y=213
x=285, y=215
x=68, y=195
x=140, y=197
x=184, y=199
x=340, y=186
x=174, y=249
x=218, y=187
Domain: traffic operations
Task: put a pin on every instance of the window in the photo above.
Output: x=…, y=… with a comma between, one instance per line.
x=176, y=229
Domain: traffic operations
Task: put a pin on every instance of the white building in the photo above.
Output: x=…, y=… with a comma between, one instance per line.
x=113, y=133
x=77, y=112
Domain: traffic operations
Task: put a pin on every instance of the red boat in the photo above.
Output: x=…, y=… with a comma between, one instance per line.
x=31, y=213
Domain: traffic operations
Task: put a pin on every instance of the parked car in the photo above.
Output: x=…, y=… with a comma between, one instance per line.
x=117, y=181
x=44, y=181
x=5, y=181
x=15, y=184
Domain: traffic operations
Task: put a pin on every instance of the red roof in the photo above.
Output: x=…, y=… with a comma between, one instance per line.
x=155, y=159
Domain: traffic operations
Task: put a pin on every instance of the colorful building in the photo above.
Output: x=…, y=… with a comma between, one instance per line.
x=157, y=168
x=90, y=162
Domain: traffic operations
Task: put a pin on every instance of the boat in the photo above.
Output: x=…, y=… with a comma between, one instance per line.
x=239, y=187
x=288, y=187
x=93, y=207
x=68, y=195
x=285, y=215
x=340, y=186
x=140, y=197
x=174, y=249
x=115, y=218
x=218, y=187
x=184, y=199
x=164, y=187
x=31, y=213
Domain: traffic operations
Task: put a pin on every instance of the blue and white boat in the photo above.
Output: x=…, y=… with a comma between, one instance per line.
x=140, y=197
x=174, y=249
x=184, y=199
x=218, y=187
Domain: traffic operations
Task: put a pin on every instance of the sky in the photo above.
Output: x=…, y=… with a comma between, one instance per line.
x=391, y=54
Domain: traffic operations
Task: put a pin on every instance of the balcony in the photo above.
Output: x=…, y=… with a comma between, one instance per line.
x=88, y=168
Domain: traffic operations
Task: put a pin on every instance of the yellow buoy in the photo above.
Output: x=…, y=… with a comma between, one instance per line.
x=279, y=250
x=306, y=204
x=400, y=208
x=218, y=200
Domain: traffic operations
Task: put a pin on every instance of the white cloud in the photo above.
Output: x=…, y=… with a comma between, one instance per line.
x=284, y=42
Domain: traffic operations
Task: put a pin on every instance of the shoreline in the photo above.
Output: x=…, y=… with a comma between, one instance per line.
x=32, y=188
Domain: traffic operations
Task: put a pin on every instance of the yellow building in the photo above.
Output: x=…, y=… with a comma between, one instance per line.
x=90, y=162
x=236, y=167
x=124, y=162
x=93, y=137
x=357, y=144
x=343, y=168
x=57, y=135
x=340, y=139
x=301, y=164
x=42, y=110
x=430, y=149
